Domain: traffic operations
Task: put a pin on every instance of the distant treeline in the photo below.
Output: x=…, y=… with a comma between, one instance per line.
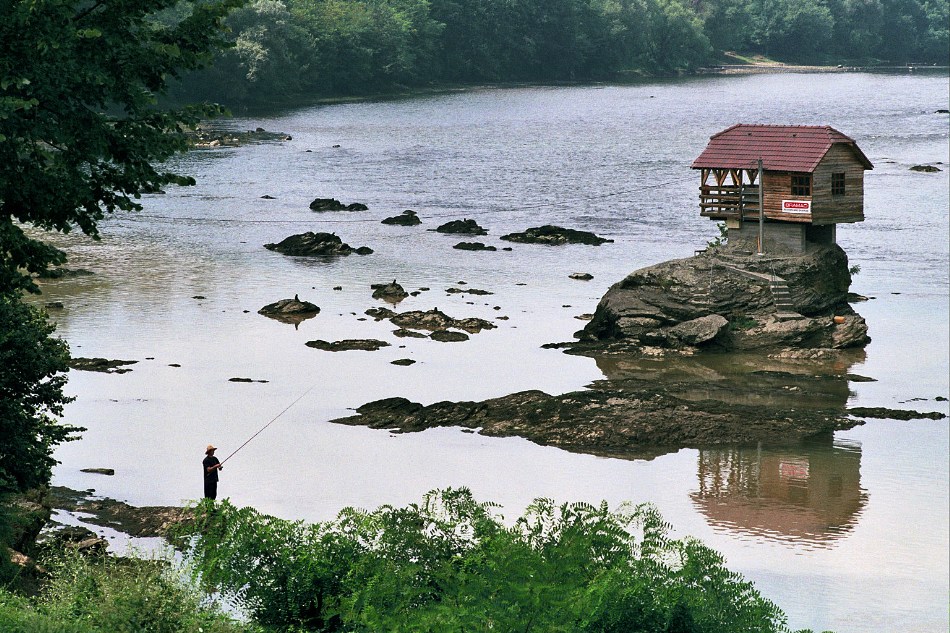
x=289, y=49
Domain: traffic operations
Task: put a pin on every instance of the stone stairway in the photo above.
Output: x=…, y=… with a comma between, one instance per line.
x=781, y=296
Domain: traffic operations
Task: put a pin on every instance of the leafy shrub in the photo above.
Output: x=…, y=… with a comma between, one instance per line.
x=114, y=596
x=452, y=564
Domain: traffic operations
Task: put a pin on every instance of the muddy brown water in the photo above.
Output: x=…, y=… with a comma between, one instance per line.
x=849, y=533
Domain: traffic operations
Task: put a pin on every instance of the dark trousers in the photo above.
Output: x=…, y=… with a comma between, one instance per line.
x=211, y=488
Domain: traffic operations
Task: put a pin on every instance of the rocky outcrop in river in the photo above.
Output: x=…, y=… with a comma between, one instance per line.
x=391, y=292
x=722, y=301
x=406, y=218
x=639, y=417
x=332, y=204
x=462, y=227
x=290, y=310
x=551, y=235
x=316, y=245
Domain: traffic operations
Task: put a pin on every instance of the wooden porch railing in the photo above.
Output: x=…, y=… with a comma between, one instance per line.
x=726, y=201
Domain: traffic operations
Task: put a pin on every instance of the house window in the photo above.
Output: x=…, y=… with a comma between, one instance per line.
x=801, y=185
x=837, y=184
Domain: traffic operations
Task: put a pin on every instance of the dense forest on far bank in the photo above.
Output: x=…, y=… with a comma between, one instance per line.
x=301, y=49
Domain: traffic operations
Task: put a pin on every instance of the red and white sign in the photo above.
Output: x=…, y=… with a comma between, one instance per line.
x=796, y=206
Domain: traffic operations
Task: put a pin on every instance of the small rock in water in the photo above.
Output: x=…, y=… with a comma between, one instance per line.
x=462, y=227
x=367, y=345
x=405, y=362
x=98, y=471
x=581, y=276
x=448, y=336
x=406, y=218
x=391, y=292
x=473, y=246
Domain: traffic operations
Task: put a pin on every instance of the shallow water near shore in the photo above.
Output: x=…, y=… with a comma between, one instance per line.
x=848, y=533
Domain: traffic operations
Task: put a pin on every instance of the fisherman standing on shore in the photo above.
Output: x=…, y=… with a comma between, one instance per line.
x=210, y=468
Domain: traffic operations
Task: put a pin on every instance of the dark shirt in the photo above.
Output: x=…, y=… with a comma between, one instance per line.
x=207, y=463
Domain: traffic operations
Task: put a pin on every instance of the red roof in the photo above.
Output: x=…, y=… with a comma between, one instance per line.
x=797, y=148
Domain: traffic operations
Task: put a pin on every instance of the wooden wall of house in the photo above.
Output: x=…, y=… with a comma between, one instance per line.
x=830, y=209
x=826, y=208
x=778, y=187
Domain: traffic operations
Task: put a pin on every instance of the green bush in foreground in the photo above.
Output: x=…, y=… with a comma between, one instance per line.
x=452, y=564
x=114, y=596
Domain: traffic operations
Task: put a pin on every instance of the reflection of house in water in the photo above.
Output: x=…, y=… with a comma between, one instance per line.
x=809, y=493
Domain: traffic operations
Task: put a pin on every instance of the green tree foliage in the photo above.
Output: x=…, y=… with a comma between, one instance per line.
x=299, y=49
x=452, y=564
x=79, y=131
x=79, y=137
x=31, y=393
x=113, y=596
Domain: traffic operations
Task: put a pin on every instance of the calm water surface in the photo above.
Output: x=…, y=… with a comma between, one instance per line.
x=848, y=534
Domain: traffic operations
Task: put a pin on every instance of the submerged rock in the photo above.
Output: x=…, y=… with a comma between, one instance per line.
x=471, y=291
x=315, y=245
x=366, y=345
x=927, y=169
x=406, y=218
x=332, y=204
x=895, y=414
x=101, y=364
x=448, y=336
x=404, y=333
x=59, y=273
x=554, y=236
x=462, y=227
x=98, y=471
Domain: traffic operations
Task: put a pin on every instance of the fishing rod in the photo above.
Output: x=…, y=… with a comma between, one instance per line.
x=274, y=419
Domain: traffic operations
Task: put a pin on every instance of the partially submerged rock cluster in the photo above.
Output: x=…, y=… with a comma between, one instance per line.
x=431, y=320
x=332, y=204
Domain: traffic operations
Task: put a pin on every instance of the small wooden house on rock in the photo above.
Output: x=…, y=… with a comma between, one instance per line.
x=812, y=179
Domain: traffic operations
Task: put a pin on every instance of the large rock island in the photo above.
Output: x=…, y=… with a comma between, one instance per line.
x=722, y=300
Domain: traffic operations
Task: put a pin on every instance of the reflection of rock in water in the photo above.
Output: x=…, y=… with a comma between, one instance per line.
x=809, y=493
x=742, y=379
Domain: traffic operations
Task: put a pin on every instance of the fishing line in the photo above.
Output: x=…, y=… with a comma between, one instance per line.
x=274, y=419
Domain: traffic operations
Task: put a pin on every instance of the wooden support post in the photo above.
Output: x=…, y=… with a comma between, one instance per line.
x=761, y=212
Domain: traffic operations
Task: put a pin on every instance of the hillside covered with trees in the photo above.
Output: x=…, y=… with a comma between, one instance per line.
x=286, y=49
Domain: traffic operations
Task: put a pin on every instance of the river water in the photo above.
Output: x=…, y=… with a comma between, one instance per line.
x=848, y=534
